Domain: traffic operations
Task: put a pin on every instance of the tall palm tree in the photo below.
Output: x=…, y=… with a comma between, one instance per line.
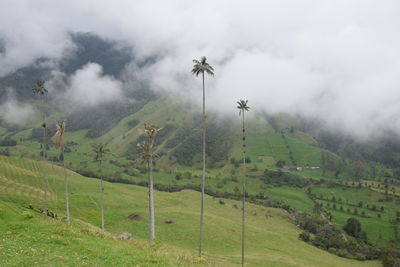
x=242, y=106
x=100, y=152
x=59, y=140
x=200, y=67
x=40, y=89
x=147, y=156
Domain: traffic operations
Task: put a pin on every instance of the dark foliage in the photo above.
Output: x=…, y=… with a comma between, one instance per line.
x=188, y=143
x=279, y=178
x=100, y=119
x=133, y=123
x=391, y=255
x=385, y=149
x=133, y=149
x=327, y=237
x=280, y=163
x=37, y=134
x=87, y=173
x=5, y=152
x=305, y=236
x=92, y=48
x=8, y=142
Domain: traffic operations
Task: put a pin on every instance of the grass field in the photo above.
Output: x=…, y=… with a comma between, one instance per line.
x=271, y=238
x=39, y=241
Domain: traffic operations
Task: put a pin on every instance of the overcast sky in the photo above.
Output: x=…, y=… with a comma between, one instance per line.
x=336, y=60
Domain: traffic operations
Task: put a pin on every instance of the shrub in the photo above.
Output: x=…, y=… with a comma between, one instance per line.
x=305, y=236
x=352, y=227
x=280, y=178
x=280, y=163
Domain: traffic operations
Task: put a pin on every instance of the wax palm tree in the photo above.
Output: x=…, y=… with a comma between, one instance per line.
x=100, y=152
x=147, y=156
x=40, y=89
x=59, y=141
x=242, y=106
x=200, y=67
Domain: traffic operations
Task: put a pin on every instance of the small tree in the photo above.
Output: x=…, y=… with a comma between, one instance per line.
x=59, y=140
x=100, y=153
x=280, y=163
x=352, y=227
x=147, y=156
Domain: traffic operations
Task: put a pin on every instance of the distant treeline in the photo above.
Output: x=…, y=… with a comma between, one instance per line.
x=8, y=142
x=280, y=178
x=322, y=234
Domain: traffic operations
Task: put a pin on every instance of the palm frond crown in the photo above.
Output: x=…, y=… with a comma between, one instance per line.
x=39, y=87
x=145, y=154
x=100, y=151
x=150, y=130
x=201, y=66
x=242, y=106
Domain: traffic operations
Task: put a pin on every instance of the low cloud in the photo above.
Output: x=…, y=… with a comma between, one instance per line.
x=16, y=113
x=89, y=87
x=337, y=61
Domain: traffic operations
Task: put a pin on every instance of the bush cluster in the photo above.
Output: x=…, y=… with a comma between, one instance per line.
x=320, y=233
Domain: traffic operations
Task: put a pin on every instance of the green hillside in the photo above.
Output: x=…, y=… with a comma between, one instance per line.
x=179, y=143
x=29, y=238
x=272, y=240
x=270, y=140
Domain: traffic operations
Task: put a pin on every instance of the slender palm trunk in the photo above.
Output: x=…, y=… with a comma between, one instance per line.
x=203, y=180
x=101, y=198
x=151, y=200
x=244, y=189
x=44, y=157
x=66, y=189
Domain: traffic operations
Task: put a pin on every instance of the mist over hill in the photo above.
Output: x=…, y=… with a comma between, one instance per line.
x=337, y=64
x=98, y=82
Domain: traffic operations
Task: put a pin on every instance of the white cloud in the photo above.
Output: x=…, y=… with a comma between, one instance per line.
x=89, y=87
x=336, y=60
x=16, y=113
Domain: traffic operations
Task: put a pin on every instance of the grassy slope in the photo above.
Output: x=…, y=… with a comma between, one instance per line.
x=40, y=241
x=158, y=112
x=271, y=239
